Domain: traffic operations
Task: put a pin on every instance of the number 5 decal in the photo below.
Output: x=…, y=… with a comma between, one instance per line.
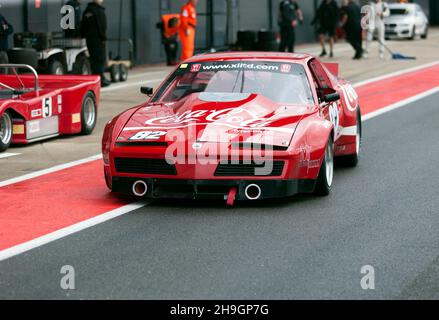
x=47, y=107
x=148, y=135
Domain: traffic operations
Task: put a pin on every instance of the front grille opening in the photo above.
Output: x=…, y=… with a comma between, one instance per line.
x=262, y=147
x=144, y=166
x=225, y=169
x=141, y=144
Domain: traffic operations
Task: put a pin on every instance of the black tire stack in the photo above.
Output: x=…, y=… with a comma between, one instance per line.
x=246, y=40
x=263, y=40
x=267, y=41
x=23, y=56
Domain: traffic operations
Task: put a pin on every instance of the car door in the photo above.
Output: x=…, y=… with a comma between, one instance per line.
x=332, y=111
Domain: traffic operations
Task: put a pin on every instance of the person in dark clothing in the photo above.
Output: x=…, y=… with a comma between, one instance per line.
x=169, y=27
x=94, y=30
x=6, y=30
x=351, y=22
x=76, y=32
x=289, y=17
x=327, y=18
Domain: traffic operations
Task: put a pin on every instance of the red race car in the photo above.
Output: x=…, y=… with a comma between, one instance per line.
x=34, y=108
x=236, y=126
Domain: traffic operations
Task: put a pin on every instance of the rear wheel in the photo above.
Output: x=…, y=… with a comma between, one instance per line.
x=354, y=159
x=88, y=114
x=115, y=73
x=123, y=73
x=326, y=175
x=5, y=131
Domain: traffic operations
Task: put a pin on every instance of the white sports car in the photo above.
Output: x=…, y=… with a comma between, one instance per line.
x=406, y=21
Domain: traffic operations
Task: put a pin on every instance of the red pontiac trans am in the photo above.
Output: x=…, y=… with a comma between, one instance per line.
x=236, y=126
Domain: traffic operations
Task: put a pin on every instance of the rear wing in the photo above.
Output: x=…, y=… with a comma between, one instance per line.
x=332, y=67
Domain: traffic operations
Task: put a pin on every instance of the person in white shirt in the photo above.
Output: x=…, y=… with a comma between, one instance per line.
x=379, y=11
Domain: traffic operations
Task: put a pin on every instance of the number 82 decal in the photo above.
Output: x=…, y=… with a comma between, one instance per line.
x=148, y=135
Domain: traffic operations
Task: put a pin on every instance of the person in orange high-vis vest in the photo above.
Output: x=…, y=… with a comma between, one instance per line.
x=188, y=24
x=170, y=27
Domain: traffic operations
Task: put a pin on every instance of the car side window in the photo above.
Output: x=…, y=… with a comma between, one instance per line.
x=321, y=79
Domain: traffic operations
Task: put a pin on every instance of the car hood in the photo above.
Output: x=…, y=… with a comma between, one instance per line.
x=399, y=19
x=219, y=118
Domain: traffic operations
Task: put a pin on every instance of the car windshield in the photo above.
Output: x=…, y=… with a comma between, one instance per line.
x=284, y=83
x=400, y=11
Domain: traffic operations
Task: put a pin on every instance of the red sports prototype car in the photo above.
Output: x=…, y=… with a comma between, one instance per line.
x=34, y=108
x=236, y=126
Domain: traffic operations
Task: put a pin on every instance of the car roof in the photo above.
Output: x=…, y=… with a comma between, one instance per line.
x=274, y=56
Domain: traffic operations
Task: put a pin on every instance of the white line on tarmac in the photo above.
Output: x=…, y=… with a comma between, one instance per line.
x=400, y=104
x=41, y=241
x=62, y=233
x=397, y=73
x=49, y=170
x=8, y=155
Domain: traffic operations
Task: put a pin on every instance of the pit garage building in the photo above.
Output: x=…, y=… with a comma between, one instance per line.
x=219, y=20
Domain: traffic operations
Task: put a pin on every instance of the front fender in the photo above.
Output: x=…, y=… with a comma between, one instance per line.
x=310, y=141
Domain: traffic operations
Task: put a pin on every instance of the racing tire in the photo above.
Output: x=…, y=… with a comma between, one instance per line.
x=425, y=34
x=123, y=73
x=352, y=161
x=326, y=174
x=115, y=73
x=89, y=113
x=6, y=131
x=56, y=67
x=82, y=66
x=413, y=35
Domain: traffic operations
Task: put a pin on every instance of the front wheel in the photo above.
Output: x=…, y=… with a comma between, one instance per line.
x=88, y=114
x=425, y=34
x=82, y=66
x=56, y=67
x=413, y=36
x=5, y=131
x=326, y=175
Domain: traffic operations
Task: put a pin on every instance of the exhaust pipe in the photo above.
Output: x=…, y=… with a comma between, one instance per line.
x=253, y=192
x=140, y=188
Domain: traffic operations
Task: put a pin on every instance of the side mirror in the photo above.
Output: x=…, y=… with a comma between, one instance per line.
x=332, y=97
x=147, y=91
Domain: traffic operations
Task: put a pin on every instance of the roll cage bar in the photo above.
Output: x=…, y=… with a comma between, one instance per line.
x=14, y=68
